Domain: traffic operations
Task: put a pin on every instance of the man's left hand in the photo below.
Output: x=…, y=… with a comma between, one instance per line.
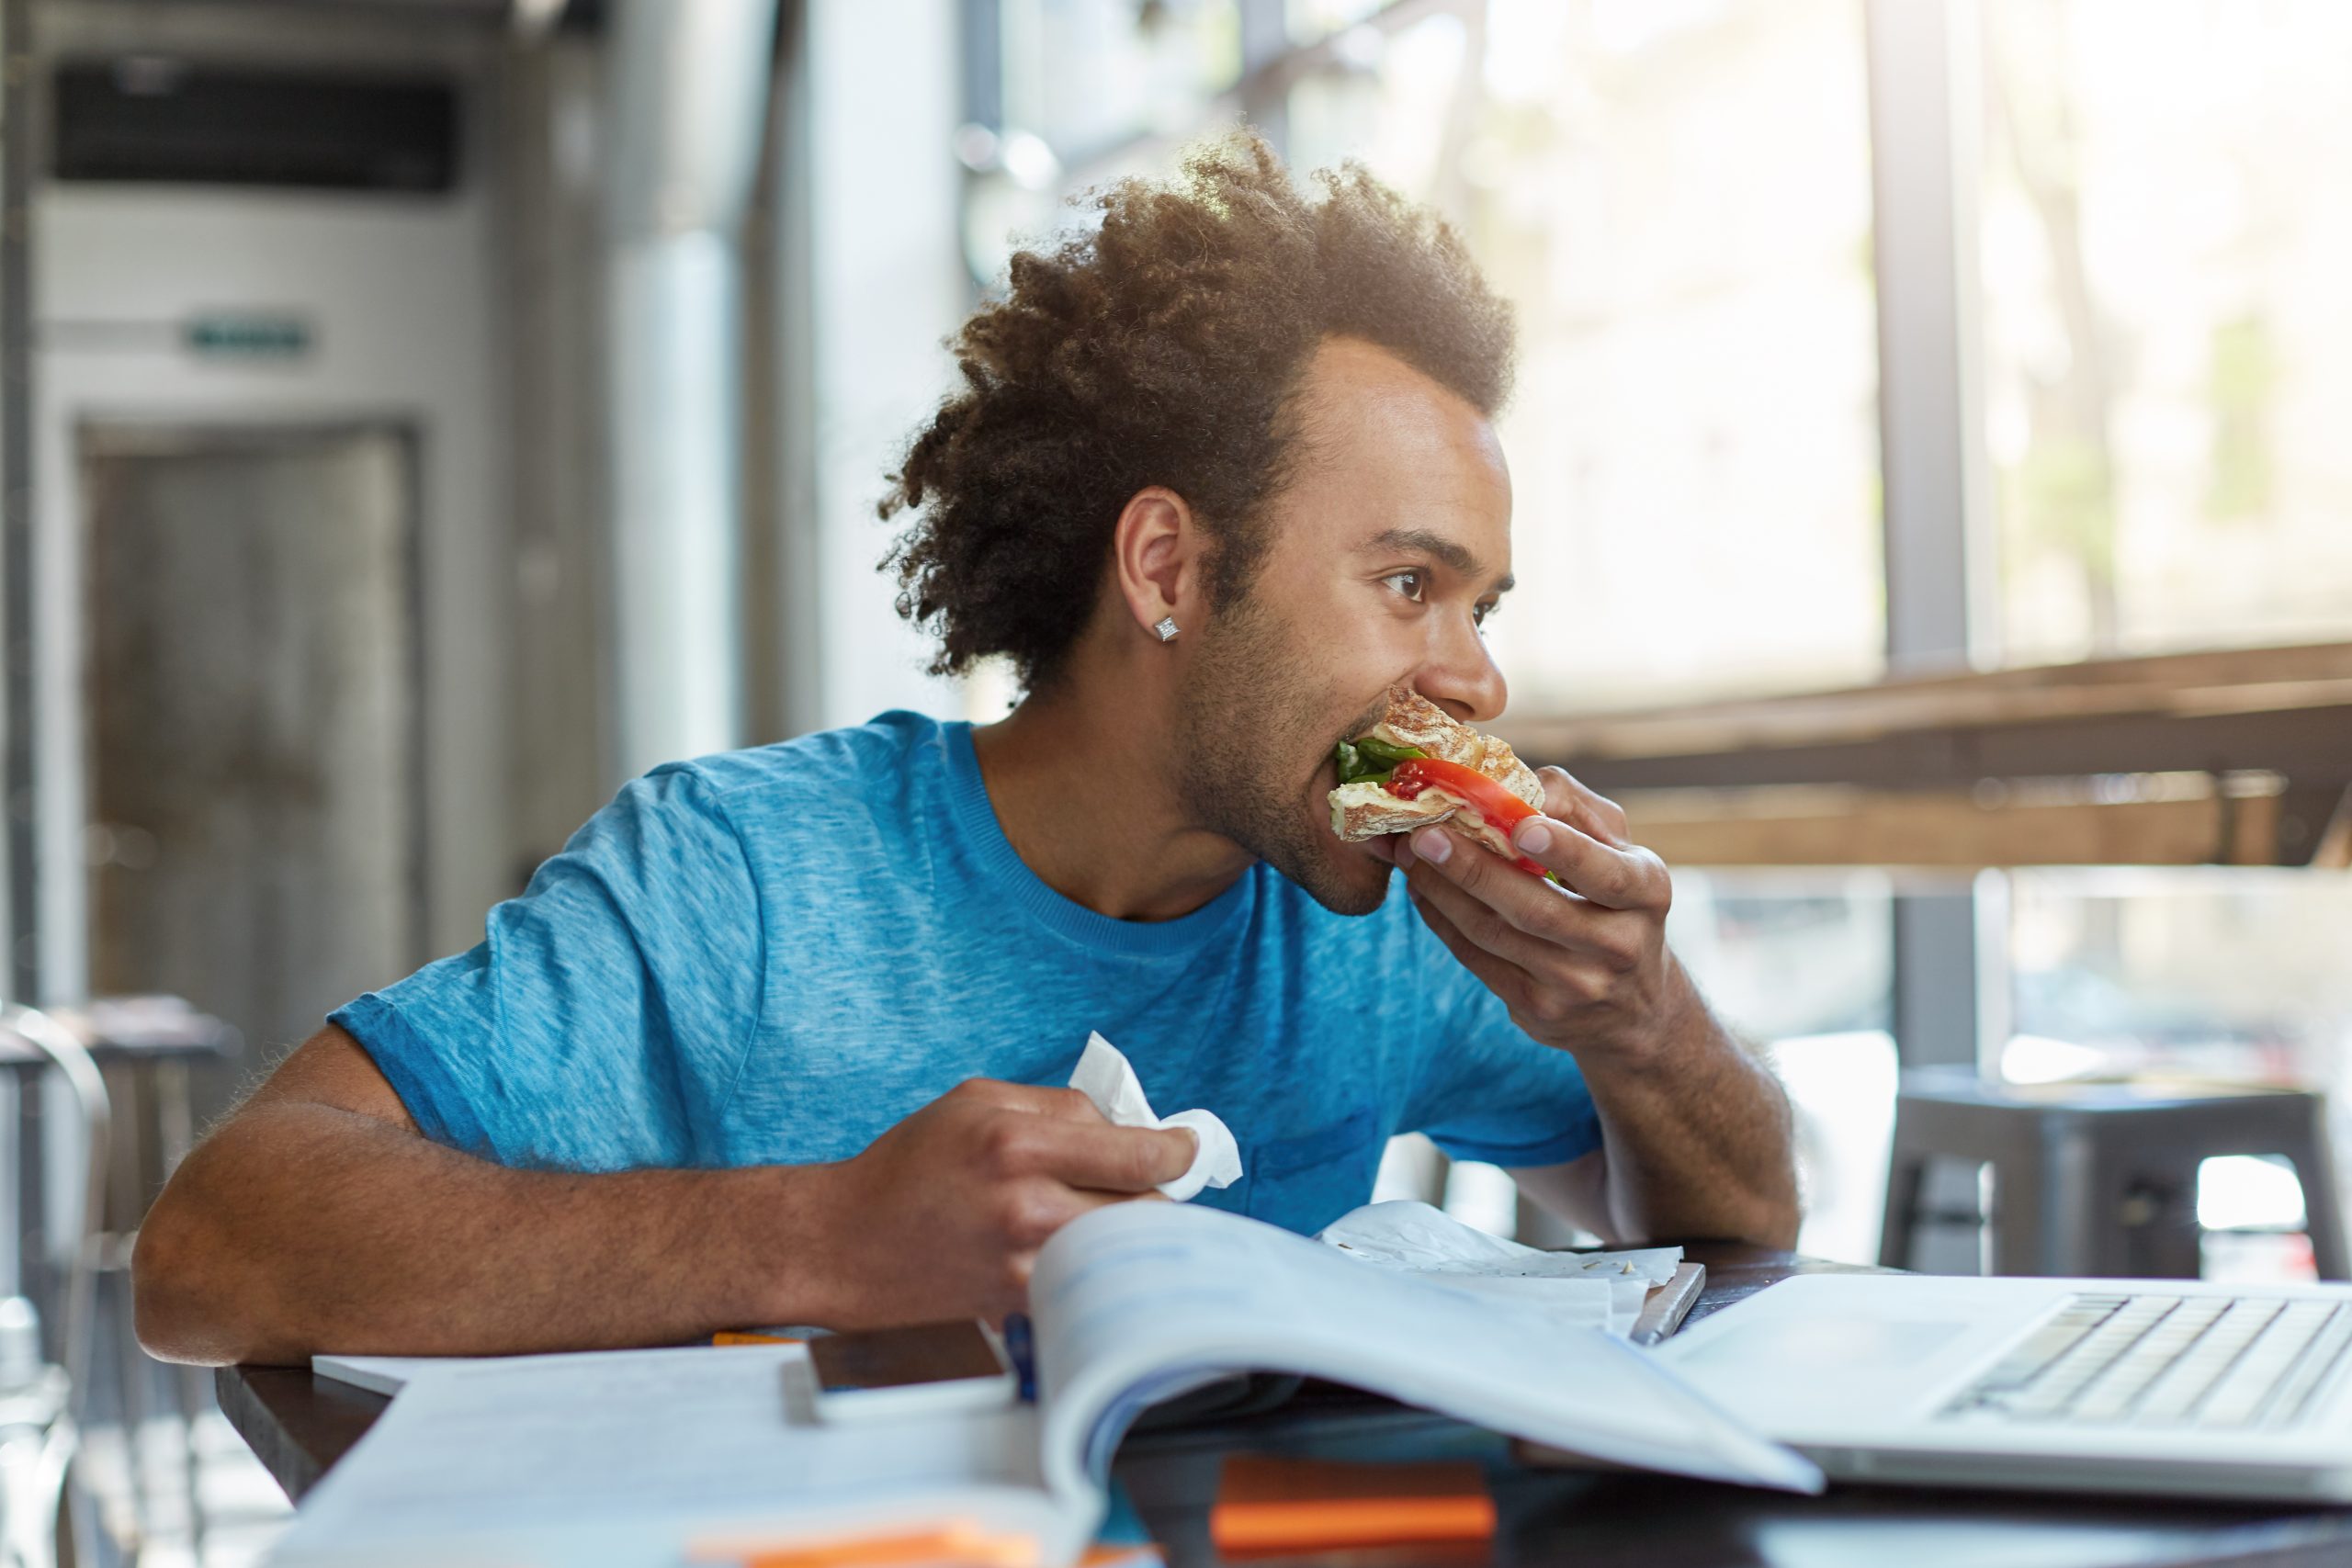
x=1581, y=961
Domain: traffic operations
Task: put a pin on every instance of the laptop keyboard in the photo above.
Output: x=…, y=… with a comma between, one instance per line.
x=2205, y=1362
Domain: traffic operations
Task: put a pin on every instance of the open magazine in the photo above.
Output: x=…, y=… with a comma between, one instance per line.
x=646, y=1457
x=1139, y=1302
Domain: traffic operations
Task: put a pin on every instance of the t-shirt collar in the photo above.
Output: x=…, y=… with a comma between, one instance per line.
x=1002, y=865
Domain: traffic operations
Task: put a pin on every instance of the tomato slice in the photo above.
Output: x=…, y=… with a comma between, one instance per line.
x=1502, y=810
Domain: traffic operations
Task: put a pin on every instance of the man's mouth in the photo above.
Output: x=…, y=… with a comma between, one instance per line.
x=1361, y=725
x=1327, y=763
x=1325, y=777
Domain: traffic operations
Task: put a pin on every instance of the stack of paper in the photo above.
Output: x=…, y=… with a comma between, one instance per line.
x=618, y=1457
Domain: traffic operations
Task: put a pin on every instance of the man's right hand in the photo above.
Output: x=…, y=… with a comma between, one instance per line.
x=318, y=1218
x=941, y=1216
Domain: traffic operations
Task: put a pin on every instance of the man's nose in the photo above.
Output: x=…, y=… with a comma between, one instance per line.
x=1460, y=676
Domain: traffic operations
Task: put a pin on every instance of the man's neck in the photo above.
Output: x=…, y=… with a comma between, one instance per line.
x=1084, y=787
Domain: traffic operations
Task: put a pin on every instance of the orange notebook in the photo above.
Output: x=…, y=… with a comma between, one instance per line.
x=1267, y=1505
x=953, y=1544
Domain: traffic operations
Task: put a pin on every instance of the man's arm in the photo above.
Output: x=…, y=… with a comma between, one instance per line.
x=318, y=1219
x=1696, y=1131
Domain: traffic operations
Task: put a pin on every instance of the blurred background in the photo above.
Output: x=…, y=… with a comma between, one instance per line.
x=419, y=416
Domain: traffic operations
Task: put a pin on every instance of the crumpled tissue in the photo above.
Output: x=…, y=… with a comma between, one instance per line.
x=1104, y=1076
x=1598, y=1289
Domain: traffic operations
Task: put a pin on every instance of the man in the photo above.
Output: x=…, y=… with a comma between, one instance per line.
x=776, y=1039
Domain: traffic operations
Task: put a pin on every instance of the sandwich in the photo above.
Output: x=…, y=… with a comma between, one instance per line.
x=1421, y=765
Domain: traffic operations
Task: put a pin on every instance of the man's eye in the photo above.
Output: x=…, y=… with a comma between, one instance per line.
x=1408, y=584
x=1479, y=613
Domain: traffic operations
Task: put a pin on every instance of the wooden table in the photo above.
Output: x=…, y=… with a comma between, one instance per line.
x=299, y=1425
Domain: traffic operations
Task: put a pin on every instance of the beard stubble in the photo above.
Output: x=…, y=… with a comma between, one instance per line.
x=1246, y=719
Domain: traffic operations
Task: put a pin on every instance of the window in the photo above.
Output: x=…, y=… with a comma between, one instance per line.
x=2167, y=330
x=1804, y=964
x=2167, y=350
x=1677, y=199
x=1090, y=76
x=2231, y=975
x=1308, y=21
x=2220, y=973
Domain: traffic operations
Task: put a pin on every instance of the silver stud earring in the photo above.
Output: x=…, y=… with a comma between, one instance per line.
x=1166, y=627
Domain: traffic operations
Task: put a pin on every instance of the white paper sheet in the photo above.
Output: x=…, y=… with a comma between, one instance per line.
x=1106, y=1077
x=386, y=1375
x=1599, y=1289
x=526, y=1460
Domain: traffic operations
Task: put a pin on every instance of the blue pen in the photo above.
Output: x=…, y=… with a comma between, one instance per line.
x=1021, y=1345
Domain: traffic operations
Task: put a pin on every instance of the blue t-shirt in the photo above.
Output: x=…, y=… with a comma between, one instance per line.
x=771, y=956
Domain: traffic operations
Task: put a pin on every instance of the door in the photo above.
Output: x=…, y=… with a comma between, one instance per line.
x=255, y=803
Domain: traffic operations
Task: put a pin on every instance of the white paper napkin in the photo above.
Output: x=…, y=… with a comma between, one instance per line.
x=1104, y=1076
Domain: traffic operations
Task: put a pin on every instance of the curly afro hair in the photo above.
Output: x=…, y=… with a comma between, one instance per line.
x=1161, y=349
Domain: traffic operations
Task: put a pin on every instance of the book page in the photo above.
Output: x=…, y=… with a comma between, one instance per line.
x=1135, y=1302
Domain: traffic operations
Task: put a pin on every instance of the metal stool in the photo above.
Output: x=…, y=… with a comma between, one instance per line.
x=137, y=1053
x=148, y=1048
x=47, y=1402
x=2100, y=1178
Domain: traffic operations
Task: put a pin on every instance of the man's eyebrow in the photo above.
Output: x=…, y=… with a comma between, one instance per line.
x=1436, y=546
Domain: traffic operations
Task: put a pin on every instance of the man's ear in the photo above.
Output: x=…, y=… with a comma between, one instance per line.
x=1156, y=551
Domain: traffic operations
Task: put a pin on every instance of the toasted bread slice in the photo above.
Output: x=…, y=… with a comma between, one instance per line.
x=1365, y=810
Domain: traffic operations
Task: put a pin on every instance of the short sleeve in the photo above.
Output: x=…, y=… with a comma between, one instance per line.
x=602, y=1020
x=1486, y=1091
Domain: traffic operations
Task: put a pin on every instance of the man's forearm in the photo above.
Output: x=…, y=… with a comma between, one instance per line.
x=302, y=1228
x=1698, y=1137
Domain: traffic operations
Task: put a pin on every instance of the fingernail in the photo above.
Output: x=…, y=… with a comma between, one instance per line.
x=1533, y=836
x=1432, y=845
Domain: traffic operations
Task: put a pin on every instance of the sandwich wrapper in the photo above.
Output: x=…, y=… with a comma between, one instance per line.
x=1104, y=1076
x=1593, y=1290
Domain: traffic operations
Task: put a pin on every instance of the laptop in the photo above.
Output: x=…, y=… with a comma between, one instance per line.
x=2171, y=1386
